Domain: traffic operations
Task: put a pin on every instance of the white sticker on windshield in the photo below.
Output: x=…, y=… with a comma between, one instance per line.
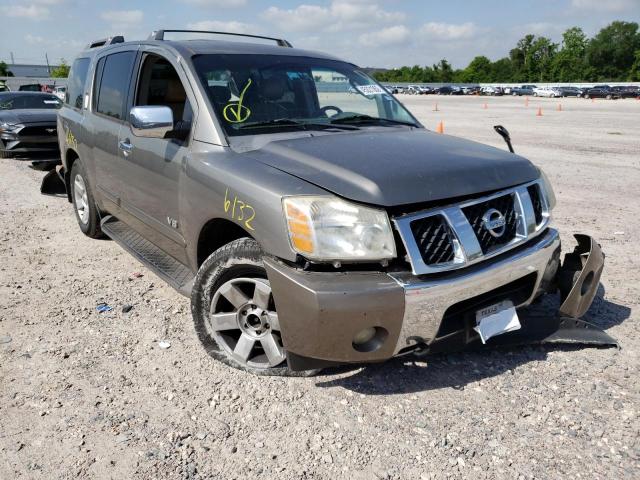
x=371, y=89
x=54, y=102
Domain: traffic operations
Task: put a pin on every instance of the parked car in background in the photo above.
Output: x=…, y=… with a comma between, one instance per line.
x=626, y=91
x=522, y=90
x=60, y=92
x=601, y=91
x=494, y=91
x=30, y=87
x=570, y=91
x=28, y=125
x=546, y=92
x=448, y=90
x=474, y=90
x=4, y=87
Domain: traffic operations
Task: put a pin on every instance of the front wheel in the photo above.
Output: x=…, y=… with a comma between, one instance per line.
x=234, y=311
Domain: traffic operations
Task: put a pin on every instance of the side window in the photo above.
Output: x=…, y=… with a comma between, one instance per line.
x=77, y=79
x=159, y=84
x=113, y=87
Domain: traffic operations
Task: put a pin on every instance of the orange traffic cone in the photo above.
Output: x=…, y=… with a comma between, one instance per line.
x=539, y=114
x=485, y=106
x=559, y=107
x=436, y=108
x=440, y=128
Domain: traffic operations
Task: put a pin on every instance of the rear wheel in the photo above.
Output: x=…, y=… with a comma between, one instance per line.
x=234, y=311
x=5, y=154
x=84, y=204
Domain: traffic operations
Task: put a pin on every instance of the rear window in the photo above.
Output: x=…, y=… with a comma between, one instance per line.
x=77, y=80
x=114, y=72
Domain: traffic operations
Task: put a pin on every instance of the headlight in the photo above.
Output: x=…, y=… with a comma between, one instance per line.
x=548, y=190
x=7, y=127
x=330, y=229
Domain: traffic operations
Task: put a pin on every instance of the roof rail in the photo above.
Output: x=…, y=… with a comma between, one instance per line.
x=159, y=35
x=103, y=42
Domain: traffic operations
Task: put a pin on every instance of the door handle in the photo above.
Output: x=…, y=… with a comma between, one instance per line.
x=125, y=146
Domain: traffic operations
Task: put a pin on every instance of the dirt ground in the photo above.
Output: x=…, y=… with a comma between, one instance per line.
x=92, y=395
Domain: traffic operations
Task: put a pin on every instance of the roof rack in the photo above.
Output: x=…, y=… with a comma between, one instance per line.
x=159, y=35
x=103, y=42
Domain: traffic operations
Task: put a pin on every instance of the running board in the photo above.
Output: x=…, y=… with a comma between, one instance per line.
x=176, y=274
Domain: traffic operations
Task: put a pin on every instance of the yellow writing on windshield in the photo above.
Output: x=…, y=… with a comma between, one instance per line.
x=235, y=112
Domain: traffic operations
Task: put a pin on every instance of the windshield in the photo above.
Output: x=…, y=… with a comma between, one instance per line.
x=255, y=94
x=24, y=101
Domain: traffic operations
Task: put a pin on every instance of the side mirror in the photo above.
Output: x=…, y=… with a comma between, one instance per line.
x=151, y=121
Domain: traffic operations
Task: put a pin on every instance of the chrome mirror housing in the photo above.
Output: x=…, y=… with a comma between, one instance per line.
x=151, y=121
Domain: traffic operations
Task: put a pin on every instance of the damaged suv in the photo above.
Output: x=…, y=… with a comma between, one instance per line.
x=309, y=216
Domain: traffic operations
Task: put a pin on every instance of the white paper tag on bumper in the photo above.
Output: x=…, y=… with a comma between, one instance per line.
x=496, y=319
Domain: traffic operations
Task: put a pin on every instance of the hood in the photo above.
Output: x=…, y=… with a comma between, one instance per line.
x=34, y=115
x=394, y=167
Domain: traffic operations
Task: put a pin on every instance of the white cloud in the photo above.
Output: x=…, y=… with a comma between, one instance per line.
x=122, y=17
x=395, y=35
x=220, y=26
x=339, y=15
x=34, y=12
x=217, y=3
x=33, y=39
x=449, y=31
x=604, y=5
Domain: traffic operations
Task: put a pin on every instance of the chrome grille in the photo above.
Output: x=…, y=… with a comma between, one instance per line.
x=451, y=237
x=536, y=201
x=504, y=205
x=434, y=239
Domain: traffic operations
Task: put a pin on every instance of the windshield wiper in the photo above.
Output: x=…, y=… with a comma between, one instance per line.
x=359, y=118
x=287, y=122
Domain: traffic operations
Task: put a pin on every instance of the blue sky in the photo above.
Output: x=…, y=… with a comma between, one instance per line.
x=383, y=33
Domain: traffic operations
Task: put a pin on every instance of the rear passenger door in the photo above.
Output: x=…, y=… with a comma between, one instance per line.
x=153, y=165
x=111, y=89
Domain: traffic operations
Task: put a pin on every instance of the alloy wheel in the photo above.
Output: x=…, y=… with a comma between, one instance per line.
x=81, y=199
x=244, y=323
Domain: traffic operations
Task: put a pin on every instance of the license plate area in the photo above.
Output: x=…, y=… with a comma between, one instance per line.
x=496, y=319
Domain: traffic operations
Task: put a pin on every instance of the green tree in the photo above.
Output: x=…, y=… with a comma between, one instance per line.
x=478, y=71
x=4, y=70
x=61, y=71
x=443, y=71
x=569, y=64
x=612, y=51
x=634, y=73
x=502, y=71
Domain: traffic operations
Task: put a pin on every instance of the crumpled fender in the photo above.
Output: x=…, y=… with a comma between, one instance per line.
x=579, y=276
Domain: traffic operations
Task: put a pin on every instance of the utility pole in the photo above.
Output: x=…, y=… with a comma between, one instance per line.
x=48, y=67
x=13, y=62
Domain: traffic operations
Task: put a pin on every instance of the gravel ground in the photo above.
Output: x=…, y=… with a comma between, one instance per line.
x=92, y=395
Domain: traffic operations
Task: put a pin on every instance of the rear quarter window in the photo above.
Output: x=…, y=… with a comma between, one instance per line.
x=76, y=83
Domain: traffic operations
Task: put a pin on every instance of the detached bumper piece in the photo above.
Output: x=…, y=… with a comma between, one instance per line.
x=53, y=183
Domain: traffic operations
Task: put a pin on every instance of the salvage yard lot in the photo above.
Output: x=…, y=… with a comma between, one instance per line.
x=91, y=395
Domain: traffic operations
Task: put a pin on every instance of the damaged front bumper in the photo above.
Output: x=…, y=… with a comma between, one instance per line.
x=322, y=315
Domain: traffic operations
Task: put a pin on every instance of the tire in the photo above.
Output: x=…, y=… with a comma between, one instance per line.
x=608, y=97
x=84, y=204
x=5, y=154
x=225, y=330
